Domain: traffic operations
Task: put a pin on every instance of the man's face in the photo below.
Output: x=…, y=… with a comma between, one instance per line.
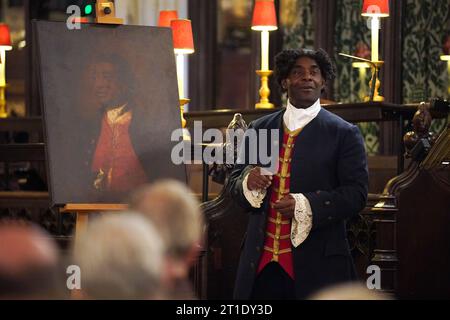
x=304, y=83
x=104, y=82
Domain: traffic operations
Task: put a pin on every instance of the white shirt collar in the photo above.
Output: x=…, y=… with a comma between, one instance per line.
x=296, y=118
x=115, y=113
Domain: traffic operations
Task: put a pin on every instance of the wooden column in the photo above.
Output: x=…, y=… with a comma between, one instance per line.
x=31, y=91
x=391, y=74
x=202, y=64
x=324, y=28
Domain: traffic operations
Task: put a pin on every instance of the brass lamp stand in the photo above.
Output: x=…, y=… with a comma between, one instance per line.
x=183, y=102
x=374, y=81
x=264, y=91
x=3, y=112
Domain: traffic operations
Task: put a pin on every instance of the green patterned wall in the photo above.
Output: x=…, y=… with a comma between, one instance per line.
x=352, y=32
x=426, y=23
x=297, y=23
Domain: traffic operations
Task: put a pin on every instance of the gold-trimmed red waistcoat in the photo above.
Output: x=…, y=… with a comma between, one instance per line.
x=277, y=243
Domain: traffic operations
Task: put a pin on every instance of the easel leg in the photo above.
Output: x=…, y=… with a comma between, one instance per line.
x=81, y=224
x=82, y=221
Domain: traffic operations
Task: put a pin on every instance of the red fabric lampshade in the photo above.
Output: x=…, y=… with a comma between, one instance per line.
x=446, y=46
x=165, y=16
x=5, y=36
x=378, y=8
x=183, y=41
x=264, y=16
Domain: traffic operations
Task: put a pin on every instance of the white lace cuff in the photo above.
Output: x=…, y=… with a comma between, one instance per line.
x=302, y=221
x=254, y=197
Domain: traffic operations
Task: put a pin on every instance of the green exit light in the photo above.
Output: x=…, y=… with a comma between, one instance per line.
x=88, y=9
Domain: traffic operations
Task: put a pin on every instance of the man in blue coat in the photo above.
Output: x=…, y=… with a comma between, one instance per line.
x=296, y=238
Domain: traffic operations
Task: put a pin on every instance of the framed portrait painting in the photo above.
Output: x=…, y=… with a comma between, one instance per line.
x=110, y=104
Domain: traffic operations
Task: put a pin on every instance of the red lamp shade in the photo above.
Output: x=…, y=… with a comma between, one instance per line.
x=264, y=17
x=5, y=36
x=183, y=41
x=446, y=46
x=165, y=16
x=378, y=8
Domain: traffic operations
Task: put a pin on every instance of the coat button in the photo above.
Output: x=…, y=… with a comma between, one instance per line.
x=258, y=248
x=330, y=218
x=327, y=203
x=252, y=265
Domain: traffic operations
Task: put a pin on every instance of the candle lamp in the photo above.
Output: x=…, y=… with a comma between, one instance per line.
x=375, y=10
x=264, y=20
x=183, y=44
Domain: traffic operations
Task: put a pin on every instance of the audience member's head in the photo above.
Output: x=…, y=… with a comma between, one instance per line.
x=120, y=256
x=176, y=213
x=349, y=291
x=29, y=262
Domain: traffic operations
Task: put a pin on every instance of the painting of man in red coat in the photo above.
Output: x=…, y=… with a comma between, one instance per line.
x=115, y=165
x=110, y=106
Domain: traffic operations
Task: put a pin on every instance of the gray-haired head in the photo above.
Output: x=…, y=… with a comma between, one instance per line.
x=175, y=212
x=121, y=257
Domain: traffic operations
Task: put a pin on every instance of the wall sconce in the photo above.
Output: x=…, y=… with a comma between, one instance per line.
x=264, y=20
x=446, y=57
x=362, y=51
x=362, y=66
x=374, y=82
x=183, y=44
x=375, y=9
x=5, y=45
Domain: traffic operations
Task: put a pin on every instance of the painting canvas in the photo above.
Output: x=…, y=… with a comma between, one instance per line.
x=110, y=104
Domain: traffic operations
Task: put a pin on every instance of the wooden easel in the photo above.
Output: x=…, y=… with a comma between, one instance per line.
x=84, y=209
x=105, y=14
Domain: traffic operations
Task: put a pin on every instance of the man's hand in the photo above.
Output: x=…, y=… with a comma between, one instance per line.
x=258, y=181
x=286, y=206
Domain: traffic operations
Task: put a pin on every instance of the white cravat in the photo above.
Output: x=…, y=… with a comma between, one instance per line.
x=294, y=118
